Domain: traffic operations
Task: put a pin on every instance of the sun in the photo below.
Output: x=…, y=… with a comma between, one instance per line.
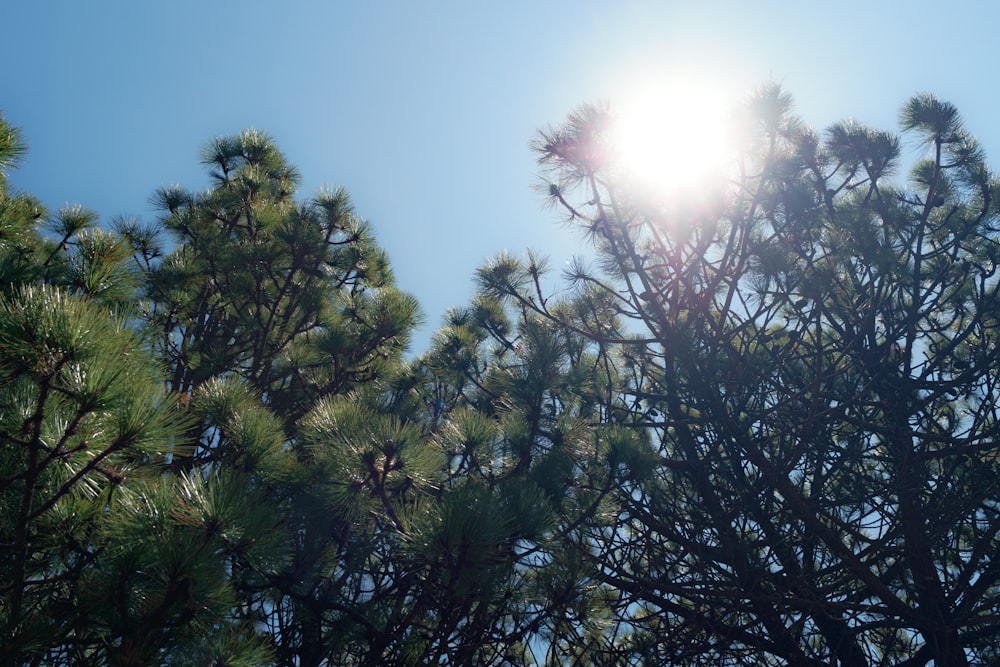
x=670, y=136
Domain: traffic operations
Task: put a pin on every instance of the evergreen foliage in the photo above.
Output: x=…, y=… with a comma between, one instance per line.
x=811, y=350
x=760, y=430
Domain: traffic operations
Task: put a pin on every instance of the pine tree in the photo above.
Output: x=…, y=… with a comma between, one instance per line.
x=115, y=550
x=85, y=427
x=812, y=353
x=277, y=321
x=761, y=432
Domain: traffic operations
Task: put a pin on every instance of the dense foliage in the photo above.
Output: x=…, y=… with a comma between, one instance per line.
x=812, y=353
x=761, y=431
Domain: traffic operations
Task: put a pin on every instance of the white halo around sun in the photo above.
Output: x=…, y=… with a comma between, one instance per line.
x=671, y=135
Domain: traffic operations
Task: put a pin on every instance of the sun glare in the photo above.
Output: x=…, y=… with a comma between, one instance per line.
x=671, y=136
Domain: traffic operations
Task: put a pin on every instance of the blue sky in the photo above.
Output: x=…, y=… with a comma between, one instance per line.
x=424, y=110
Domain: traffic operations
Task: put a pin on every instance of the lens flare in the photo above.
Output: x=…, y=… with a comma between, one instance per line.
x=671, y=136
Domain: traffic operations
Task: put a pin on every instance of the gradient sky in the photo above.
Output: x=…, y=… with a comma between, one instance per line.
x=424, y=110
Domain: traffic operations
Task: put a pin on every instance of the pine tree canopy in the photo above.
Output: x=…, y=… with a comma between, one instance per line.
x=757, y=427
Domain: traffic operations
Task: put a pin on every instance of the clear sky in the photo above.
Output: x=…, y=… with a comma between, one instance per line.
x=424, y=110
